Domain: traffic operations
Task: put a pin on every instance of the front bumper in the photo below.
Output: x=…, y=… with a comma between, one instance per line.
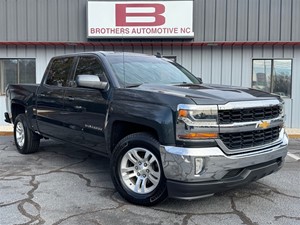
x=220, y=171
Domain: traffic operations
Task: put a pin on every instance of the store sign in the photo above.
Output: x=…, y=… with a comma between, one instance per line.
x=140, y=19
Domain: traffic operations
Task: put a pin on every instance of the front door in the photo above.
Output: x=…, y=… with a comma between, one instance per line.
x=85, y=108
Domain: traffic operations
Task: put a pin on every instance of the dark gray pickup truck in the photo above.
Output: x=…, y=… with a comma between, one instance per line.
x=165, y=133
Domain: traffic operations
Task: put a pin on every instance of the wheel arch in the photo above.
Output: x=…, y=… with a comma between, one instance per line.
x=127, y=117
x=16, y=109
x=121, y=129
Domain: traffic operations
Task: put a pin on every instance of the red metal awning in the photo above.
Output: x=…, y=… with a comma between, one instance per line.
x=147, y=44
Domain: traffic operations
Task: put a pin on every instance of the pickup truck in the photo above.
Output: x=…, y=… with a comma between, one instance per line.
x=164, y=131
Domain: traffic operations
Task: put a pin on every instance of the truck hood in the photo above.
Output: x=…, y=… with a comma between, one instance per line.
x=209, y=94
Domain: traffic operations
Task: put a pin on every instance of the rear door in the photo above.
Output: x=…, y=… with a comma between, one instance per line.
x=85, y=108
x=50, y=98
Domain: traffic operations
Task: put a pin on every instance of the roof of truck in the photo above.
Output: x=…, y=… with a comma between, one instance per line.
x=105, y=53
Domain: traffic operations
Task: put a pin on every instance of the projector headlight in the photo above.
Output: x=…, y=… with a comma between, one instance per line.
x=197, y=122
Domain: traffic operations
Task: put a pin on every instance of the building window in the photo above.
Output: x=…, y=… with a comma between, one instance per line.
x=272, y=75
x=15, y=71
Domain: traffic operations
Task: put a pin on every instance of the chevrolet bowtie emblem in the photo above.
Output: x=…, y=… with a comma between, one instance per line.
x=263, y=124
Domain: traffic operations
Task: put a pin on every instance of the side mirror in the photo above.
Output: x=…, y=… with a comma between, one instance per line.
x=90, y=81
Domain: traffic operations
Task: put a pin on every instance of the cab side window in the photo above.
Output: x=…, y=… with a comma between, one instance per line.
x=59, y=72
x=91, y=66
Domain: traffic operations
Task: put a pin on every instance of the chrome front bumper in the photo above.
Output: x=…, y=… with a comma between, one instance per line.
x=179, y=162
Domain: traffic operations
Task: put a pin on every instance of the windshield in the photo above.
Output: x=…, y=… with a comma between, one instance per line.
x=136, y=70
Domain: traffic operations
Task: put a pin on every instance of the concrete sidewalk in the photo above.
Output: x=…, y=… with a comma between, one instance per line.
x=293, y=132
x=7, y=130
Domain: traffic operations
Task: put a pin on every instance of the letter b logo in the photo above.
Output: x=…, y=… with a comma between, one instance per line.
x=140, y=14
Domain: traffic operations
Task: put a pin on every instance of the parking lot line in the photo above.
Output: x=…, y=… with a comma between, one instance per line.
x=297, y=158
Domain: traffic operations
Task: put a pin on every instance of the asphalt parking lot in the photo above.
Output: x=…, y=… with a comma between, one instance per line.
x=64, y=185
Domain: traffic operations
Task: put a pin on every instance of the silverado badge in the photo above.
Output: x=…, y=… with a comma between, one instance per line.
x=263, y=124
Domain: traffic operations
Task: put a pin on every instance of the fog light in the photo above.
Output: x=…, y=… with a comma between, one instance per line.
x=199, y=163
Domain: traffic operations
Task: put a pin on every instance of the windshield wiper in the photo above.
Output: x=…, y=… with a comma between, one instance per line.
x=133, y=85
x=185, y=84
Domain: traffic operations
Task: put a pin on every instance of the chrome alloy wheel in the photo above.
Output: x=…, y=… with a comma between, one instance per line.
x=140, y=170
x=20, y=134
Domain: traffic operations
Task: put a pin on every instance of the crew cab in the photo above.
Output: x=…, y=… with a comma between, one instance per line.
x=164, y=131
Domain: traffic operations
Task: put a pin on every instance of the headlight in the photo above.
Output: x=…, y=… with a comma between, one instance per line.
x=197, y=122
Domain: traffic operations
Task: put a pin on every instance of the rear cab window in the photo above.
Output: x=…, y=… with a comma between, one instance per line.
x=59, y=71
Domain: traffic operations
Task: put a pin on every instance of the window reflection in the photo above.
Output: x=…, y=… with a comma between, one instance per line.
x=90, y=66
x=27, y=71
x=273, y=76
x=282, y=75
x=262, y=75
x=59, y=72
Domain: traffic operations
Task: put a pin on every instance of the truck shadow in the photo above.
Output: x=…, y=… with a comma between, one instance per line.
x=76, y=160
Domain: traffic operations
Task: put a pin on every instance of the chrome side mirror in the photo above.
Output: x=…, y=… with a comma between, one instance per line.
x=90, y=81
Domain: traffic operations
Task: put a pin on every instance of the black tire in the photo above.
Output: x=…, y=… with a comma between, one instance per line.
x=153, y=182
x=25, y=139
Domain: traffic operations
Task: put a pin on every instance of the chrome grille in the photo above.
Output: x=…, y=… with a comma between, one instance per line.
x=248, y=139
x=249, y=114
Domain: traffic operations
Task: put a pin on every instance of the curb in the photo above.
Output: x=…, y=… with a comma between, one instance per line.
x=6, y=133
x=294, y=136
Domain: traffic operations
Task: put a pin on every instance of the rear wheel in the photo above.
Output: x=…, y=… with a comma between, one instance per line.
x=136, y=170
x=25, y=139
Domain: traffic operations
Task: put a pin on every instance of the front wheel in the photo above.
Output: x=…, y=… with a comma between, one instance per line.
x=136, y=170
x=25, y=139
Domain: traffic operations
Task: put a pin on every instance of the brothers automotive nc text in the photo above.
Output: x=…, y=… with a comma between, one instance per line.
x=142, y=30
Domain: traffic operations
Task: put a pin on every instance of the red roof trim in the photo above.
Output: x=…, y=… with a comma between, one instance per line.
x=148, y=44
